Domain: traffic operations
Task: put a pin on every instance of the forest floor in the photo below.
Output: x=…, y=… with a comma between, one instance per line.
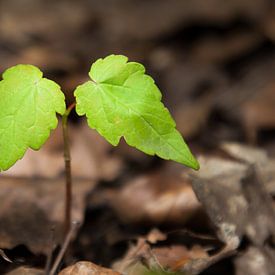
x=136, y=214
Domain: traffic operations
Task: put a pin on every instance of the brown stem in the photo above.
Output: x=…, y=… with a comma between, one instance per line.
x=68, y=174
x=50, y=252
x=64, y=247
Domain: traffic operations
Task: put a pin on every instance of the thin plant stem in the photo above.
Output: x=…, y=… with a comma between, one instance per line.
x=64, y=247
x=50, y=252
x=68, y=173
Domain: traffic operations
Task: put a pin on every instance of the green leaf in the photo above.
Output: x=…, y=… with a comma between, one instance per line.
x=28, y=106
x=120, y=100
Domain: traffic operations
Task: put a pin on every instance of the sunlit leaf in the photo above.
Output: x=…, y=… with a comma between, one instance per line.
x=28, y=107
x=120, y=100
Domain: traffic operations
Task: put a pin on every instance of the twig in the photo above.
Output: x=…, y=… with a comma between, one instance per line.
x=4, y=256
x=64, y=247
x=196, y=266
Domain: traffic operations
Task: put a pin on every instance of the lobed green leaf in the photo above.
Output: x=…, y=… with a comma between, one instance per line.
x=28, y=107
x=120, y=100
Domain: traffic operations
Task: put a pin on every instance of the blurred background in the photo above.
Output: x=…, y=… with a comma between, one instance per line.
x=214, y=62
x=208, y=57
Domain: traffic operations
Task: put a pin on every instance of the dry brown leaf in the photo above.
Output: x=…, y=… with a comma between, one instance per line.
x=218, y=186
x=246, y=153
x=173, y=258
x=139, y=252
x=26, y=271
x=255, y=261
x=235, y=199
x=157, y=197
x=252, y=155
x=155, y=236
x=87, y=268
x=31, y=208
x=176, y=256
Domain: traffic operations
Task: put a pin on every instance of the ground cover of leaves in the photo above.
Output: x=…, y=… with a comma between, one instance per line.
x=215, y=63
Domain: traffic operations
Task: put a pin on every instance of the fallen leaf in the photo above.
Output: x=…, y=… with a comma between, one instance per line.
x=140, y=251
x=235, y=199
x=26, y=271
x=31, y=208
x=157, y=197
x=87, y=268
x=170, y=259
x=175, y=257
x=246, y=153
x=155, y=236
x=254, y=261
x=256, y=156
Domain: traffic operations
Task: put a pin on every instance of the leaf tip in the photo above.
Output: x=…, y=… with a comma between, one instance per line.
x=196, y=165
x=192, y=162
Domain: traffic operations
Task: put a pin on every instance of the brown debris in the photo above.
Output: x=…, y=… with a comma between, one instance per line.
x=214, y=63
x=235, y=196
x=257, y=157
x=26, y=271
x=256, y=261
x=217, y=49
x=258, y=113
x=173, y=258
x=154, y=198
x=169, y=15
x=32, y=208
x=235, y=200
x=87, y=268
x=4, y=256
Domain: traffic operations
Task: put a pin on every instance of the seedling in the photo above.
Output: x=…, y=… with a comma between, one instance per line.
x=119, y=100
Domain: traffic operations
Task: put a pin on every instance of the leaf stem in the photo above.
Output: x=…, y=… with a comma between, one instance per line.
x=68, y=173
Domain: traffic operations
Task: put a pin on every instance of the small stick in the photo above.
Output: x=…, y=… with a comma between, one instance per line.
x=4, y=256
x=64, y=247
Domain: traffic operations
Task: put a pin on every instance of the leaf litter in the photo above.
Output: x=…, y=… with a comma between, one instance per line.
x=215, y=95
